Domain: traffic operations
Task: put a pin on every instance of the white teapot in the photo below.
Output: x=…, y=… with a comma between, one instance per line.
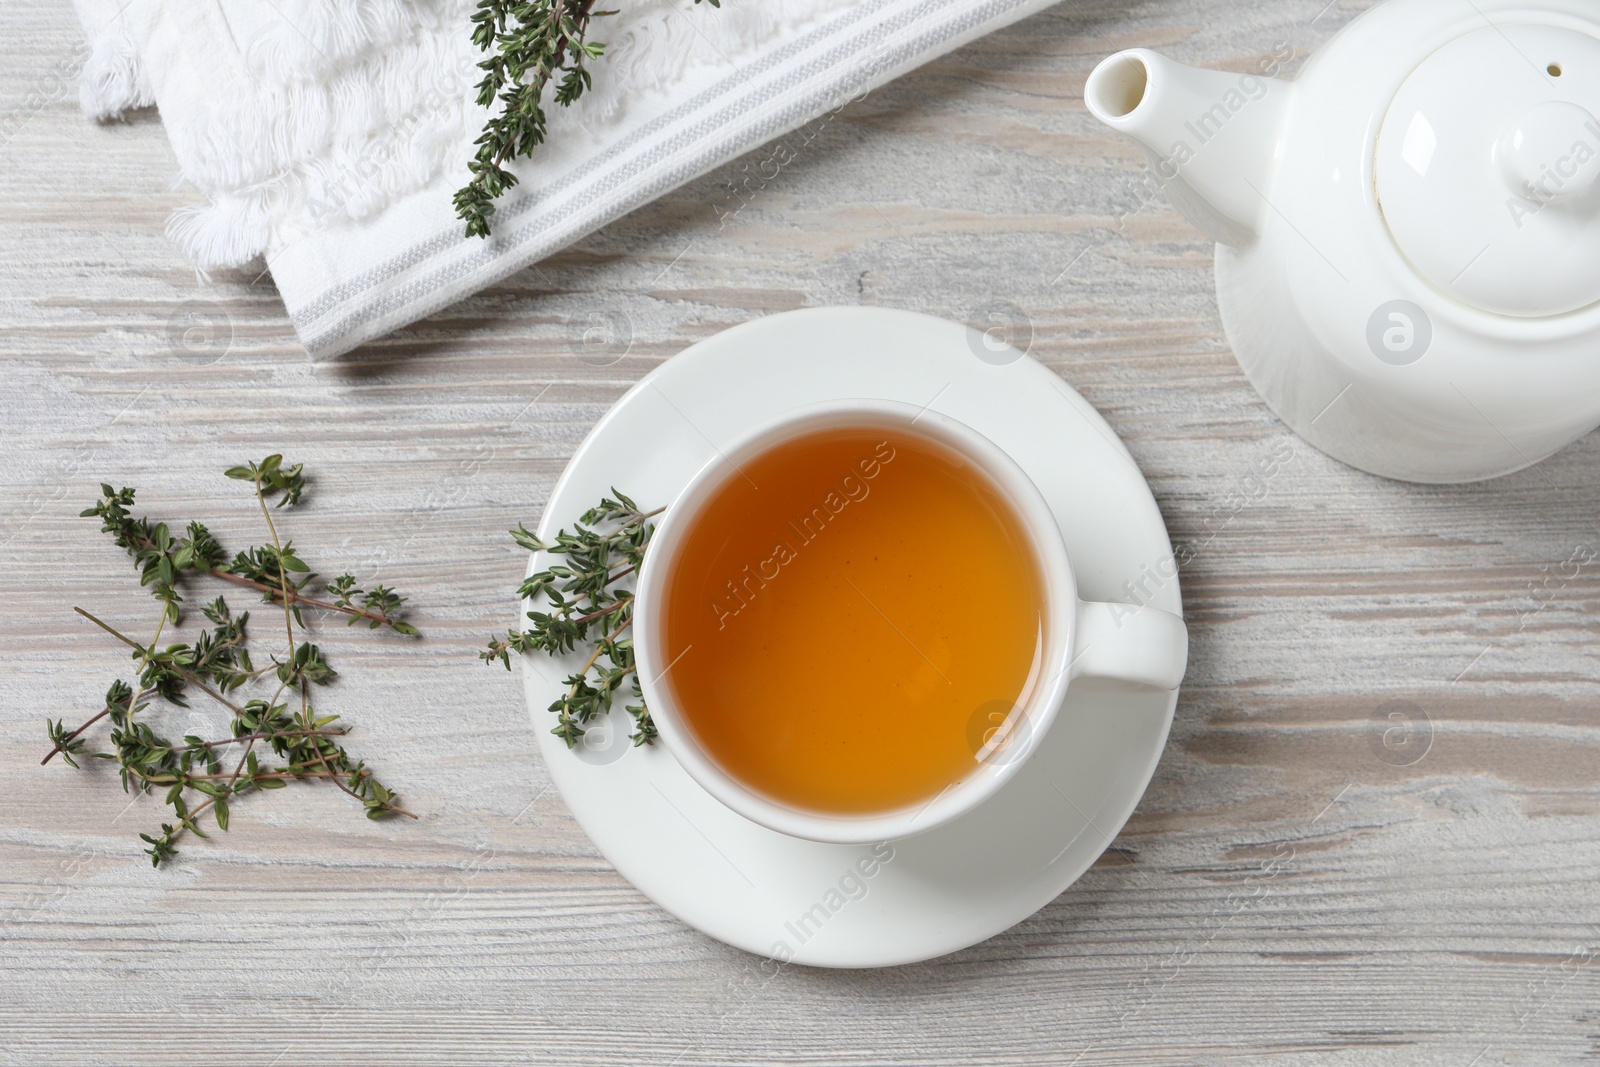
x=1408, y=264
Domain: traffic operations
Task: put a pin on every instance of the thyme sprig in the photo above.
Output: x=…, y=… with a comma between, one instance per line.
x=217, y=663
x=275, y=570
x=534, y=44
x=586, y=604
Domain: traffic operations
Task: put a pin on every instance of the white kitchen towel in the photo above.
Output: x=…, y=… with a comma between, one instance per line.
x=328, y=136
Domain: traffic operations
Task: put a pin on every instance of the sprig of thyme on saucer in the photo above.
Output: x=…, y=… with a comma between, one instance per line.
x=193, y=775
x=534, y=43
x=586, y=604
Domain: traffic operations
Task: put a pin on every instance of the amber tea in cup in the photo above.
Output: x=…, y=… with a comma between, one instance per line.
x=840, y=608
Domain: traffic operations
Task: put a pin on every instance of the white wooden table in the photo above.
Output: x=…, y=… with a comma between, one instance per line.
x=1442, y=911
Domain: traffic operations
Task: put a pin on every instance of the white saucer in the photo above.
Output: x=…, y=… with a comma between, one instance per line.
x=838, y=905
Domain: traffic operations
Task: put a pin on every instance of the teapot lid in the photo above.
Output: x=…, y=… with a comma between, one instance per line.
x=1488, y=169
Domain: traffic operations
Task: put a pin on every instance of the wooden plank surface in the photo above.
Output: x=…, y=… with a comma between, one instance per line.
x=1286, y=890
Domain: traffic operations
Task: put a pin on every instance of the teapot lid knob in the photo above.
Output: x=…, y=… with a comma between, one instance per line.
x=1539, y=153
x=1487, y=169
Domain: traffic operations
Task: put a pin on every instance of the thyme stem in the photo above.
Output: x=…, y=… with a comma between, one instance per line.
x=283, y=575
x=293, y=594
x=100, y=715
x=188, y=676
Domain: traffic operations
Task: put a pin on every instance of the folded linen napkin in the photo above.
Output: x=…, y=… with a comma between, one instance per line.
x=328, y=136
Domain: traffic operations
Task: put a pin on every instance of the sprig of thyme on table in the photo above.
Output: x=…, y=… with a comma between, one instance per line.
x=218, y=662
x=585, y=603
x=535, y=43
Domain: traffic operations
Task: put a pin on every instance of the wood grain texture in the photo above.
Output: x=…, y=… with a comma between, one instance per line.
x=1282, y=892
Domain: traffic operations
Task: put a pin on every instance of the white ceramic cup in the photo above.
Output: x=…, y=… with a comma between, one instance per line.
x=1131, y=645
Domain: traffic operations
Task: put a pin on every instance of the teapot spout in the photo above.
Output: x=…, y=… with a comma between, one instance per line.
x=1210, y=137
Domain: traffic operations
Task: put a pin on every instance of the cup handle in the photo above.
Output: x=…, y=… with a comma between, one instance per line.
x=1128, y=643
